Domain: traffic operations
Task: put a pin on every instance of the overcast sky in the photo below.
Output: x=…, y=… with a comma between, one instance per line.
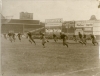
x=49, y=9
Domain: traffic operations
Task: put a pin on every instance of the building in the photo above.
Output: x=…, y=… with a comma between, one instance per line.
x=84, y=27
x=87, y=27
x=22, y=25
x=17, y=25
x=53, y=26
x=68, y=27
x=96, y=28
x=26, y=16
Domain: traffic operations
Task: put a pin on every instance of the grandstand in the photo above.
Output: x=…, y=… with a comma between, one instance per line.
x=17, y=25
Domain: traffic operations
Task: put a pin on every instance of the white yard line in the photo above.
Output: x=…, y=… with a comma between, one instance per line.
x=96, y=74
x=78, y=71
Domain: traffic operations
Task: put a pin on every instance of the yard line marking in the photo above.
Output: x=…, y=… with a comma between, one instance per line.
x=83, y=70
x=96, y=74
x=77, y=71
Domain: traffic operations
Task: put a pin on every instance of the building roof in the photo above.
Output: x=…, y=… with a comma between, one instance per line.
x=93, y=17
x=18, y=21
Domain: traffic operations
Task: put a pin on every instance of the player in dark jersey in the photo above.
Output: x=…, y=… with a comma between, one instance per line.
x=30, y=38
x=19, y=36
x=61, y=35
x=55, y=37
x=80, y=36
x=93, y=39
x=64, y=40
x=13, y=36
x=74, y=38
x=43, y=40
x=82, y=40
x=10, y=36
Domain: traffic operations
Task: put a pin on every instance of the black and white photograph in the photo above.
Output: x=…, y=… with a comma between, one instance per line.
x=50, y=37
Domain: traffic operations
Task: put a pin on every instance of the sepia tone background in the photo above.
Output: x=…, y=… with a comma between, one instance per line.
x=68, y=16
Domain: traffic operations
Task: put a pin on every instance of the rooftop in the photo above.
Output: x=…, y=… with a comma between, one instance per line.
x=19, y=21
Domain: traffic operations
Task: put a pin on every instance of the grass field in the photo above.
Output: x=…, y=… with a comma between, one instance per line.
x=26, y=59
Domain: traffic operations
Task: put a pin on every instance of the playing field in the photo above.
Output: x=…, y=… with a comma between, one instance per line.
x=26, y=59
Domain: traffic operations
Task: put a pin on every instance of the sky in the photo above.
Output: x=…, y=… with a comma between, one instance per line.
x=50, y=9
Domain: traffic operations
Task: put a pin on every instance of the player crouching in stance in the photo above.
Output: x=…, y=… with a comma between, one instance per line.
x=30, y=38
x=93, y=39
